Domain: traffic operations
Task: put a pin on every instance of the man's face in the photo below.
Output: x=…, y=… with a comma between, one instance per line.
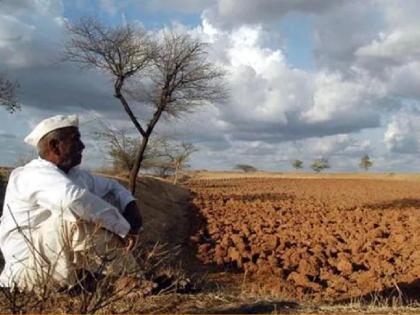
x=71, y=147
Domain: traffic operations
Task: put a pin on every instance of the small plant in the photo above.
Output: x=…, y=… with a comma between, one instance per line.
x=320, y=164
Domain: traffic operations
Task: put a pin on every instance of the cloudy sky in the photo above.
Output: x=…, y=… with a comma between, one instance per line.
x=308, y=79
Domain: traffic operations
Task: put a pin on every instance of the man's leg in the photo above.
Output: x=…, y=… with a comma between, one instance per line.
x=98, y=250
x=61, y=247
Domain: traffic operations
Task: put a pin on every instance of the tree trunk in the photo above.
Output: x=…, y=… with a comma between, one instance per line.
x=176, y=173
x=137, y=163
x=117, y=89
x=140, y=153
x=146, y=135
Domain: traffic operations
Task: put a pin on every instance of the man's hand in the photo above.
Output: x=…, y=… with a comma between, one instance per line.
x=131, y=241
x=133, y=216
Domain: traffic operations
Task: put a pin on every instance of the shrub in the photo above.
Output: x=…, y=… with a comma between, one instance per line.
x=297, y=164
x=245, y=168
x=320, y=164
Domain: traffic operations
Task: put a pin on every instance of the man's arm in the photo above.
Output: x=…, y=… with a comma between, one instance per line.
x=65, y=196
x=133, y=216
x=102, y=186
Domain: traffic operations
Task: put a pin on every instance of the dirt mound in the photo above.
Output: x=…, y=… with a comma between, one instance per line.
x=165, y=211
x=322, y=239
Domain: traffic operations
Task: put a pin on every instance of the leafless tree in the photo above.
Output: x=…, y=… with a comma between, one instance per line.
x=169, y=74
x=8, y=91
x=178, y=156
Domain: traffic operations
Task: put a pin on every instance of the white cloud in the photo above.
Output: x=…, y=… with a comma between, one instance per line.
x=36, y=7
x=186, y=6
x=237, y=12
x=272, y=101
x=336, y=98
x=29, y=31
x=337, y=145
x=404, y=80
x=403, y=132
x=341, y=31
x=401, y=45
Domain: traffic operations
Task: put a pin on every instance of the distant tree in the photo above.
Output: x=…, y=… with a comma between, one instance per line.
x=178, y=155
x=297, y=164
x=8, y=96
x=166, y=74
x=245, y=168
x=365, y=162
x=320, y=164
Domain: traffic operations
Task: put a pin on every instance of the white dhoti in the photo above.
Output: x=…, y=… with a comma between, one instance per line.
x=60, y=248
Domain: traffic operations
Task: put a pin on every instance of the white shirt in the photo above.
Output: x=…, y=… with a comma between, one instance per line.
x=40, y=189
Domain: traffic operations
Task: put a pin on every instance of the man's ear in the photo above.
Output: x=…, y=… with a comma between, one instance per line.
x=54, y=147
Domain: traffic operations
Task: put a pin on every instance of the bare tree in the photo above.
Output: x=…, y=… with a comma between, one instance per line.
x=178, y=156
x=8, y=97
x=170, y=75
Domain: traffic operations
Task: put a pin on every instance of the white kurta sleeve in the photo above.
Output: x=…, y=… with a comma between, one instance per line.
x=66, y=196
x=103, y=186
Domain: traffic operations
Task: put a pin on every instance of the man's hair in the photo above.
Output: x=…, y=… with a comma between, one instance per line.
x=58, y=134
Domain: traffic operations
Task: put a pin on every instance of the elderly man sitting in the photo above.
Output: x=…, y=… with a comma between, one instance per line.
x=58, y=219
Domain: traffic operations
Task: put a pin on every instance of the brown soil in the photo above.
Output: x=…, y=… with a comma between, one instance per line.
x=323, y=239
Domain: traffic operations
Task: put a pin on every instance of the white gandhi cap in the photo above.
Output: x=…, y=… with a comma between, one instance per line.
x=50, y=124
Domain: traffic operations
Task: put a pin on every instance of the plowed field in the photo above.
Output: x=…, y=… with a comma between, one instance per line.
x=327, y=239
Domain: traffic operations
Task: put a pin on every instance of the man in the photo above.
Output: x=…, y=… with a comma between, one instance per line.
x=58, y=219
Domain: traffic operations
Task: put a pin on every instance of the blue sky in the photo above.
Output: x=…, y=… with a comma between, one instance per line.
x=296, y=29
x=116, y=12
x=308, y=79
